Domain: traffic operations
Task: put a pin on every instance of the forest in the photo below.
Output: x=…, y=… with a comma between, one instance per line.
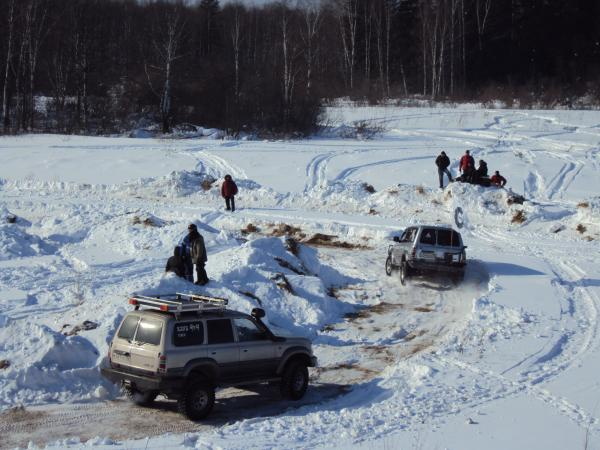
x=107, y=66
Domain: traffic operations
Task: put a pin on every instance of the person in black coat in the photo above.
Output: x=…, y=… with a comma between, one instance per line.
x=480, y=173
x=442, y=162
x=176, y=264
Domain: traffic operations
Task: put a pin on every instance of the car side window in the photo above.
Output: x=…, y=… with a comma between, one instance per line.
x=128, y=327
x=188, y=333
x=248, y=330
x=408, y=235
x=219, y=331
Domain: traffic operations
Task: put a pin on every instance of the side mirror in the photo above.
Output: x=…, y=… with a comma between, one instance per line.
x=258, y=313
x=396, y=239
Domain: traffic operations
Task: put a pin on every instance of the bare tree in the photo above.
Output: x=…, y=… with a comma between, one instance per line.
x=482, y=10
x=167, y=34
x=348, y=19
x=312, y=12
x=9, y=50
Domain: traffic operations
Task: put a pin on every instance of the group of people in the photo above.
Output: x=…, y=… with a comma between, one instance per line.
x=469, y=174
x=191, y=251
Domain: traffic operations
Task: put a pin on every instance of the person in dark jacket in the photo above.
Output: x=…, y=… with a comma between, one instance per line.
x=195, y=253
x=497, y=179
x=176, y=264
x=442, y=162
x=466, y=166
x=228, y=191
x=480, y=173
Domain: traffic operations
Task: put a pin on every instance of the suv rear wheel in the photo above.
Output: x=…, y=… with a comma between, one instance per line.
x=197, y=401
x=140, y=398
x=294, y=381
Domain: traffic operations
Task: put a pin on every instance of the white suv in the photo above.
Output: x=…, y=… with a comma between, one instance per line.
x=183, y=346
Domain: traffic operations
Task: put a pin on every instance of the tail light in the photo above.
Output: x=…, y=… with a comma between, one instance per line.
x=133, y=301
x=162, y=363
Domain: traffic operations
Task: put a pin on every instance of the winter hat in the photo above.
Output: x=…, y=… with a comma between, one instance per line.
x=192, y=226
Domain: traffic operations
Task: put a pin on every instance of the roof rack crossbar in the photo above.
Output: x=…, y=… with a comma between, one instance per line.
x=180, y=302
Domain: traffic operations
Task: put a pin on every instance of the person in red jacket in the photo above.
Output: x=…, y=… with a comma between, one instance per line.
x=466, y=166
x=497, y=179
x=228, y=191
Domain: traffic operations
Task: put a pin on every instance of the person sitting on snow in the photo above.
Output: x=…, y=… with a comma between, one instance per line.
x=480, y=173
x=176, y=264
x=497, y=179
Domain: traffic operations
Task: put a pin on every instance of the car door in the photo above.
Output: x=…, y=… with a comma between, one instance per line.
x=145, y=347
x=120, y=351
x=257, y=350
x=221, y=346
x=404, y=245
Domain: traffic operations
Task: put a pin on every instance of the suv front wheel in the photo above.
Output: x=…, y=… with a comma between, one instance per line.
x=388, y=266
x=197, y=401
x=294, y=381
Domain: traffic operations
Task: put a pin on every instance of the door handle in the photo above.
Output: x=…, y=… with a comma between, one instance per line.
x=213, y=353
x=245, y=350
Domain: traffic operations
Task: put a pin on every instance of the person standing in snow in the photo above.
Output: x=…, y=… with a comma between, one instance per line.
x=194, y=253
x=442, y=162
x=466, y=166
x=176, y=263
x=228, y=191
x=497, y=179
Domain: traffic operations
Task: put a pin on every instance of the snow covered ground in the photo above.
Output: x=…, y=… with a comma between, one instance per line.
x=509, y=359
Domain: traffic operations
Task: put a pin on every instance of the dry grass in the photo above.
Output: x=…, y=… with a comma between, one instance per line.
x=147, y=222
x=373, y=212
x=369, y=188
x=207, y=183
x=436, y=202
x=4, y=363
x=283, y=263
x=283, y=229
x=292, y=245
x=423, y=309
x=583, y=205
x=414, y=334
x=519, y=217
x=250, y=228
x=393, y=192
x=282, y=282
x=581, y=228
x=420, y=190
x=328, y=240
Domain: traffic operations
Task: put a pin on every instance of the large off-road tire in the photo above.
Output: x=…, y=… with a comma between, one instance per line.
x=140, y=398
x=197, y=401
x=389, y=268
x=403, y=273
x=294, y=381
x=458, y=277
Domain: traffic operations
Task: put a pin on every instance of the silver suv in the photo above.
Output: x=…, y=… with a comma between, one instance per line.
x=427, y=249
x=184, y=346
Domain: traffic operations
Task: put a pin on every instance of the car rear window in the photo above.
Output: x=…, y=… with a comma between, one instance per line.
x=149, y=332
x=428, y=236
x=128, y=326
x=219, y=331
x=188, y=333
x=443, y=237
x=448, y=238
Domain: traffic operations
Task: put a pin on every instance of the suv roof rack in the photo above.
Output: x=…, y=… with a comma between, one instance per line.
x=179, y=303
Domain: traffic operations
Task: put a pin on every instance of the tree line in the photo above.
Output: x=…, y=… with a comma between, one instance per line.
x=100, y=66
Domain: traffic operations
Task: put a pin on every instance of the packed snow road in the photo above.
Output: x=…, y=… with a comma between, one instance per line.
x=507, y=359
